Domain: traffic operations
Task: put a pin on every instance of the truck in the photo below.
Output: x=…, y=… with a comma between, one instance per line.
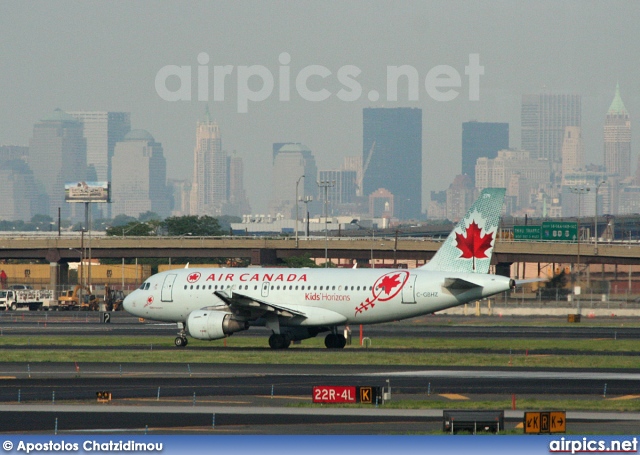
x=34, y=300
x=78, y=298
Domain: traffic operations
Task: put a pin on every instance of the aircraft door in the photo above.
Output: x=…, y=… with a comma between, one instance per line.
x=265, y=289
x=167, y=288
x=409, y=290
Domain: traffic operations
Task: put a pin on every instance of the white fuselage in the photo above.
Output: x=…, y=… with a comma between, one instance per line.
x=349, y=296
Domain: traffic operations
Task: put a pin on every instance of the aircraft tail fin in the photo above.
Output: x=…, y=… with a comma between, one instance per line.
x=469, y=246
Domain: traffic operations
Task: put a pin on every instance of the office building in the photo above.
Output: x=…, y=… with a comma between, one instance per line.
x=572, y=150
x=392, y=157
x=482, y=140
x=544, y=118
x=57, y=155
x=617, y=139
x=291, y=161
x=139, y=180
x=238, y=204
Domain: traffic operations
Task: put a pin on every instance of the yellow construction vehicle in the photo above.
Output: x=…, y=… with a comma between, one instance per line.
x=78, y=298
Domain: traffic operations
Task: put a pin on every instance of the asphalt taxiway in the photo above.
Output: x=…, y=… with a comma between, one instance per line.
x=274, y=399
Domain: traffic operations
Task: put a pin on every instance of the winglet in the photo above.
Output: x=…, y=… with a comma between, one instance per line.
x=469, y=246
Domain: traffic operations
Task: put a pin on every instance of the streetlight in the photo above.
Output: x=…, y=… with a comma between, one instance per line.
x=595, y=219
x=297, y=182
x=326, y=184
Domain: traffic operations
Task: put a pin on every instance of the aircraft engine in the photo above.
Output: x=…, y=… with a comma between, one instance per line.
x=213, y=325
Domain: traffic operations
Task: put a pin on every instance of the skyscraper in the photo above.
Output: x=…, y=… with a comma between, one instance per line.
x=139, y=181
x=238, y=203
x=392, y=157
x=290, y=162
x=617, y=139
x=102, y=130
x=57, y=155
x=482, y=140
x=209, y=188
x=543, y=120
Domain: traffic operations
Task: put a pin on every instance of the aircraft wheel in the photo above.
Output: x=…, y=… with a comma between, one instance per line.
x=180, y=342
x=333, y=341
x=279, y=342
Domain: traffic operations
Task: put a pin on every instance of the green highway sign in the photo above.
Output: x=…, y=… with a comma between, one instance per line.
x=564, y=231
x=526, y=232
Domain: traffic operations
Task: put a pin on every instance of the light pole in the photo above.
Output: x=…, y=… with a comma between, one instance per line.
x=326, y=184
x=595, y=220
x=579, y=191
x=306, y=201
x=301, y=177
x=80, y=281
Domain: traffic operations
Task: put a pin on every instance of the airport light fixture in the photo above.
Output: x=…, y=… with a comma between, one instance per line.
x=326, y=184
x=297, y=182
x=595, y=219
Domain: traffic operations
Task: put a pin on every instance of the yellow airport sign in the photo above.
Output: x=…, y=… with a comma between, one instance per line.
x=545, y=422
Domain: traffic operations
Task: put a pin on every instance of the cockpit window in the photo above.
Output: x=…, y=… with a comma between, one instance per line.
x=146, y=288
x=142, y=286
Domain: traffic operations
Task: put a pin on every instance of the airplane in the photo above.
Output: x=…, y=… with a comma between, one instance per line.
x=300, y=303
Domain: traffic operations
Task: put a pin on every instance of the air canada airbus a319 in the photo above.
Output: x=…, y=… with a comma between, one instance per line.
x=296, y=304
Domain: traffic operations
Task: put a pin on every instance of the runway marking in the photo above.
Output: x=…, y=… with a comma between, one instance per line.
x=625, y=397
x=178, y=400
x=292, y=397
x=7, y=377
x=454, y=396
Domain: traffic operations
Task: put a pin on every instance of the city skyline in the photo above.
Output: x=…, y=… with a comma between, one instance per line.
x=98, y=57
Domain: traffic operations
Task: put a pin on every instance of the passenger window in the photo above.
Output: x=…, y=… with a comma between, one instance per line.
x=197, y=287
x=191, y=286
x=315, y=288
x=321, y=288
x=185, y=286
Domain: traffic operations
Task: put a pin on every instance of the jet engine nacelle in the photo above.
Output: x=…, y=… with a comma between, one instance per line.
x=213, y=325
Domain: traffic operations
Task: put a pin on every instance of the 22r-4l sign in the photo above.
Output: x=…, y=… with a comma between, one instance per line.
x=334, y=394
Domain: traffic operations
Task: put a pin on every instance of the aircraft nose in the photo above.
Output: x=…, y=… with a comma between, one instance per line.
x=128, y=302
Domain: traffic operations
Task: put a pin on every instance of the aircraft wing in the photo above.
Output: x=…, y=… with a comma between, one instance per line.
x=300, y=314
x=242, y=301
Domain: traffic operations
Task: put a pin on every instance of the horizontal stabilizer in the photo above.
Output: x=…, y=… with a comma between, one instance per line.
x=459, y=283
x=530, y=280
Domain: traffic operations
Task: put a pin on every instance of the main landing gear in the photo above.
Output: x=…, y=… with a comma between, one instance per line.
x=279, y=341
x=335, y=341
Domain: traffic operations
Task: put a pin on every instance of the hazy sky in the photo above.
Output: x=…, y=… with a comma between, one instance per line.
x=106, y=56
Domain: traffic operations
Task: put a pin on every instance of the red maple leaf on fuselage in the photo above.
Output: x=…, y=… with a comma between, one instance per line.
x=389, y=282
x=474, y=245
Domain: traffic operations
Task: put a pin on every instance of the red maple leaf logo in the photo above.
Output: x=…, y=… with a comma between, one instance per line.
x=150, y=299
x=389, y=282
x=474, y=245
x=192, y=278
